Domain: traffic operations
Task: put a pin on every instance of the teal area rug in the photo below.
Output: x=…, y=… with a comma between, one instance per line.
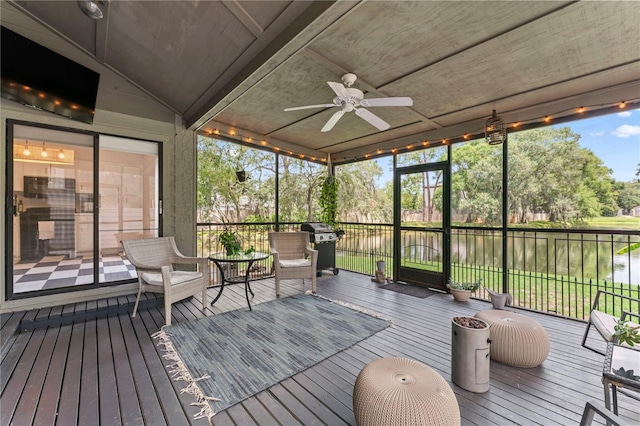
x=228, y=357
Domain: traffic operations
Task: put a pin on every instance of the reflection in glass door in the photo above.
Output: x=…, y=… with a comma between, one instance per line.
x=49, y=167
x=421, y=224
x=128, y=201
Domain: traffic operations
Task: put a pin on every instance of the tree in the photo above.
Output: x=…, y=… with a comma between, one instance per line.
x=359, y=199
x=550, y=172
x=629, y=196
x=476, y=182
x=418, y=190
x=300, y=183
x=220, y=196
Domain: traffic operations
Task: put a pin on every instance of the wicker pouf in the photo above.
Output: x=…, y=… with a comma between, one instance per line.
x=515, y=339
x=401, y=391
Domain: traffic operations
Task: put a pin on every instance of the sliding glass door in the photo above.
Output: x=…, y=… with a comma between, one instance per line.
x=74, y=196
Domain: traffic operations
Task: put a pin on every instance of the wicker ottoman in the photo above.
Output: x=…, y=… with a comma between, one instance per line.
x=401, y=391
x=515, y=339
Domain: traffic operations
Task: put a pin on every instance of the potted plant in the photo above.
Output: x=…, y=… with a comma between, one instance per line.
x=625, y=332
x=230, y=240
x=461, y=291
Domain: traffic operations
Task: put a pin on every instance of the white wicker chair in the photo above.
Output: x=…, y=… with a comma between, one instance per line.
x=293, y=257
x=154, y=259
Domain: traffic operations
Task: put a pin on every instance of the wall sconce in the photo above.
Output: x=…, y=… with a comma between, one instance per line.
x=494, y=130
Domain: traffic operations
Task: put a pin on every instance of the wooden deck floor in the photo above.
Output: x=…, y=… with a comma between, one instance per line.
x=109, y=370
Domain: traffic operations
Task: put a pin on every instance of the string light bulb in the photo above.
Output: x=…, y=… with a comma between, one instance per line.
x=622, y=104
x=44, y=152
x=61, y=155
x=26, y=149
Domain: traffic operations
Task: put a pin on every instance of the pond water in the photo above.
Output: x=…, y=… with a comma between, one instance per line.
x=577, y=255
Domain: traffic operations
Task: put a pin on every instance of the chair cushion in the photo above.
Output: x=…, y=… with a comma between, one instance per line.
x=177, y=277
x=604, y=323
x=294, y=263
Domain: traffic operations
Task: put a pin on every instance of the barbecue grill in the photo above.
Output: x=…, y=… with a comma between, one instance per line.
x=323, y=238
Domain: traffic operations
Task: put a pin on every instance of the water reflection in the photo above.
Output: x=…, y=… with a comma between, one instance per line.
x=579, y=256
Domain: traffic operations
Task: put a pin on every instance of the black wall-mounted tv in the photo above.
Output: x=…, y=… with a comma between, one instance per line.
x=36, y=76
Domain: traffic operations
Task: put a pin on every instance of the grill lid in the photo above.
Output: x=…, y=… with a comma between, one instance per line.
x=317, y=228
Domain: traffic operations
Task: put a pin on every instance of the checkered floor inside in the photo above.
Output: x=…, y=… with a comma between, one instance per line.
x=61, y=271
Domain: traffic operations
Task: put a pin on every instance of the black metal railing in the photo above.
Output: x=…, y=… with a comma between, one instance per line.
x=548, y=270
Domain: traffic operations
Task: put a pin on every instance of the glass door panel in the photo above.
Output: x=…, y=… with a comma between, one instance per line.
x=51, y=250
x=421, y=249
x=128, y=201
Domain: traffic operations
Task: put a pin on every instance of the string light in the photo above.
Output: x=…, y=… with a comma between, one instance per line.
x=479, y=134
x=61, y=155
x=26, y=148
x=44, y=152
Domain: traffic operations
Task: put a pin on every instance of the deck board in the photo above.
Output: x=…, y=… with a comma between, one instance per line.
x=109, y=370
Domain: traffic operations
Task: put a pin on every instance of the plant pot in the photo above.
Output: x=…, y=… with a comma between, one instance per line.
x=460, y=295
x=499, y=300
x=380, y=265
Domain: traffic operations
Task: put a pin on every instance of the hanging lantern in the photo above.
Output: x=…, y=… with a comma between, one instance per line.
x=494, y=130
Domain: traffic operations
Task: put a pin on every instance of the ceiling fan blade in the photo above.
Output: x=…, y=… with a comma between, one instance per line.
x=339, y=89
x=396, y=101
x=310, y=106
x=332, y=121
x=372, y=119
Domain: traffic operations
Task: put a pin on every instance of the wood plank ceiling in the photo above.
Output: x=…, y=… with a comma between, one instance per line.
x=233, y=66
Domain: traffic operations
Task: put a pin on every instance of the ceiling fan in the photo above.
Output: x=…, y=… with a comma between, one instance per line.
x=350, y=99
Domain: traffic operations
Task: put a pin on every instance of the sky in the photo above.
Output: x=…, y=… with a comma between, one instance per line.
x=614, y=138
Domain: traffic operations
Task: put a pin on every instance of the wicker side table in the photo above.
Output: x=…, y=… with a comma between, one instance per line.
x=516, y=340
x=401, y=391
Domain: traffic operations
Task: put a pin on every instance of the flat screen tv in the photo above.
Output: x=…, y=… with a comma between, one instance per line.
x=36, y=76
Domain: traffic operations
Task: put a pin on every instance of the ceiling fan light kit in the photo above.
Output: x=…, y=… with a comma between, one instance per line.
x=350, y=99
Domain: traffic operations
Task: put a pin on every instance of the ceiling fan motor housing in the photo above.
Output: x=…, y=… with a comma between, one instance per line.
x=350, y=102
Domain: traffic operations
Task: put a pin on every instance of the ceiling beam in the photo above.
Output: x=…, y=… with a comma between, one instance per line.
x=247, y=20
x=239, y=78
x=102, y=26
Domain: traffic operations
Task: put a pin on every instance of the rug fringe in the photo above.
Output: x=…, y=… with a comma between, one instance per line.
x=356, y=308
x=178, y=371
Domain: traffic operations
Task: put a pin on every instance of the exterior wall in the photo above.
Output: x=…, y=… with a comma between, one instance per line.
x=178, y=147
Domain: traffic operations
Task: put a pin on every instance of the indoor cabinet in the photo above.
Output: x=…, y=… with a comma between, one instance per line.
x=84, y=232
x=84, y=176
